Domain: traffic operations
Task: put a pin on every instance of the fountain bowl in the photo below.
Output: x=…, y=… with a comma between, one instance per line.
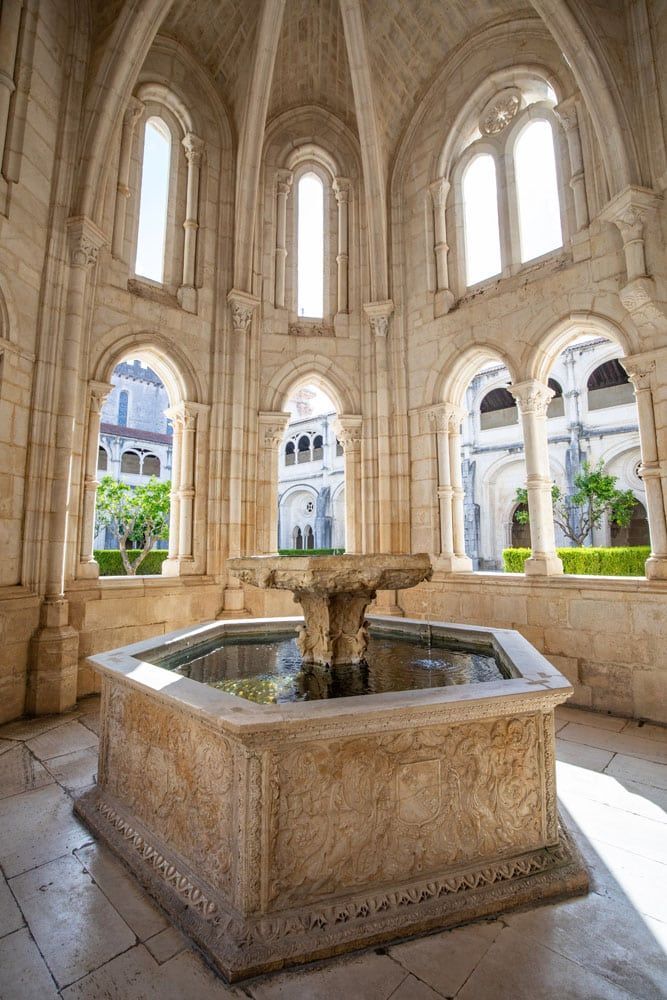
x=279, y=834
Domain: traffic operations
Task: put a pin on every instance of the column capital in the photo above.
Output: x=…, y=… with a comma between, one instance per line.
x=447, y=416
x=85, y=241
x=186, y=414
x=532, y=396
x=640, y=368
x=194, y=148
x=629, y=211
x=99, y=391
x=284, y=180
x=439, y=190
x=566, y=113
x=378, y=315
x=133, y=112
x=348, y=428
x=272, y=425
x=341, y=189
x=242, y=305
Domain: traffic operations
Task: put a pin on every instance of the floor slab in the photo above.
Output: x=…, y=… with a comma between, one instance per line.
x=37, y=827
x=23, y=972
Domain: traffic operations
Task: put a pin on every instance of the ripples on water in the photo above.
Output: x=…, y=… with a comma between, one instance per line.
x=270, y=671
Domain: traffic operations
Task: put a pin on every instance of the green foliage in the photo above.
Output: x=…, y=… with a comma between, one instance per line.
x=311, y=552
x=619, y=561
x=136, y=515
x=111, y=562
x=595, y=495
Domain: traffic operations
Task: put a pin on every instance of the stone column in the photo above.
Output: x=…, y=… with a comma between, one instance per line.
x=444, y=298
x=174, y=498
x=186, y=494
x=452, y=557
x=194, y=150
x=10, y=20
x=52, y=677
x=341, y=188
x=379, y=314
x=566, y=112
x=272, y=428
x=630, y=211
x=241, y=307
x=285, y=178
x=132, y=115
x=88, y=566
x=641, y=371
x=533, y=398
x=348, y=429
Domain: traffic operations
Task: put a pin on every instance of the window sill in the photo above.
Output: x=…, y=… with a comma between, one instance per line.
x=531, y=271
x=152, y=292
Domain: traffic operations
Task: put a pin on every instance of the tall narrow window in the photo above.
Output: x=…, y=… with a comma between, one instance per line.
x=310, y=247
x=537, y=191
x=154, y=201
x=480, y=219
x=122, y=409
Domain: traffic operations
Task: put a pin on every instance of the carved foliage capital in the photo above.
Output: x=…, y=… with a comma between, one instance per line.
x=348, y=431
x=272, y=428
x=378, y=316
x=99, y=392
x=439, y=190
x=566, y=113
x=639, y=371
x=133, y=113
x=194, y=148
x=341, y=189
x=447, y=417
x=285, y=179
x=85, y=241
x=241, y=306
x=532, y=396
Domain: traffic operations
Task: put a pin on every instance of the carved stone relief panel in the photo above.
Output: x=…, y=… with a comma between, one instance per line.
x=176, y=776
x=374, y=809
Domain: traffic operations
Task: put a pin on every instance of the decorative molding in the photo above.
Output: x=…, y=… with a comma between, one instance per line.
x=500, y=111
x=311, y=328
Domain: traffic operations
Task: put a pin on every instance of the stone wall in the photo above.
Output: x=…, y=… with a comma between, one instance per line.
x=606, y=635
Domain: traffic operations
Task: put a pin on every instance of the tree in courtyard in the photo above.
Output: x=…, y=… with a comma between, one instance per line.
x=138, y=516
x=576, y=514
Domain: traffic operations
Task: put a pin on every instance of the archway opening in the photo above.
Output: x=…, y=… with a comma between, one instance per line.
x=135, y=459
x=311, y=475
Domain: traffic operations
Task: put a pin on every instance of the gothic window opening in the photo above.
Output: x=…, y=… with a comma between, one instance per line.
x=290, y=456
x=557, y=404
x=122, y=409
x=537, y=191
x=310, y=247
x=102, y=459
x=154, y=201
x=480, y=220
x=309, y=537
x=609, y=385
x=498, y=409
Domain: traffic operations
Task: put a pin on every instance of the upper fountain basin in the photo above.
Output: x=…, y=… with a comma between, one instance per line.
x=350, y=573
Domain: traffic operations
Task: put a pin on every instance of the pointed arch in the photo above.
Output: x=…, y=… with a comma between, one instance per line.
x=166, y=359
x=451, y=381
x=544, y=351
x=319, y=370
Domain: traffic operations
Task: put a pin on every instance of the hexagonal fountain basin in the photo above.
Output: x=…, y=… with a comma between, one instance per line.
x=280, y=833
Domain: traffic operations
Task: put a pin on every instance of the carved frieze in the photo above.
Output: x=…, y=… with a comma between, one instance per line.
x=307, y=328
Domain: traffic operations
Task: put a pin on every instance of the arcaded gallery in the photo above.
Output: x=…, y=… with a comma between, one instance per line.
x=333, y=499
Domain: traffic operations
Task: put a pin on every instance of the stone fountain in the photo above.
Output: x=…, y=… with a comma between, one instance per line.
x=275, y=834
x=334, y=592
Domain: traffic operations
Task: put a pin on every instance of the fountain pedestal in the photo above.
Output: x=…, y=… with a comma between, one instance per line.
x=334, y=592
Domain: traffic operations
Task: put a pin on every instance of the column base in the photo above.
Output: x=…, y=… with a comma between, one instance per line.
x=656, y=568
x=543, y=565
x=386, y=603
x=88, y=570
x=451, y=564
x=179, y=567
x=233, y=604
x=53, y=663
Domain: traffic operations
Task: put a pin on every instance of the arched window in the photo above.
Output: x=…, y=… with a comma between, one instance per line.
x=151, y=465
x=609, y=385
x=309, y=538
x=520, y=532
x=130, y=463
x=318, y=448
x=498, y=409
x=556, y=406
x=339, y=449
x=122, y=409
x=290, y=457
x=480, y=219
x=102, y=460
x=310, y=247
x=154, y=200
x=304, y=448
x=298, y=538
x=537, y=191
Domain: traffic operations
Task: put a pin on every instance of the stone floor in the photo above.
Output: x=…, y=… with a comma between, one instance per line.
x=74, y=925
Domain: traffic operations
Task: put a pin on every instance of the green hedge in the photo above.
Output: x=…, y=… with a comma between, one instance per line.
x=111, y=564
x=311, y=552
x=588, y=561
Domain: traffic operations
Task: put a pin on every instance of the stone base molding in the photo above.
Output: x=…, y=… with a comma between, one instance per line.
x=240, y=946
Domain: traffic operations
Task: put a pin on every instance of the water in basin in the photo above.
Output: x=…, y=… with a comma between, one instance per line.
x=269, y=670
